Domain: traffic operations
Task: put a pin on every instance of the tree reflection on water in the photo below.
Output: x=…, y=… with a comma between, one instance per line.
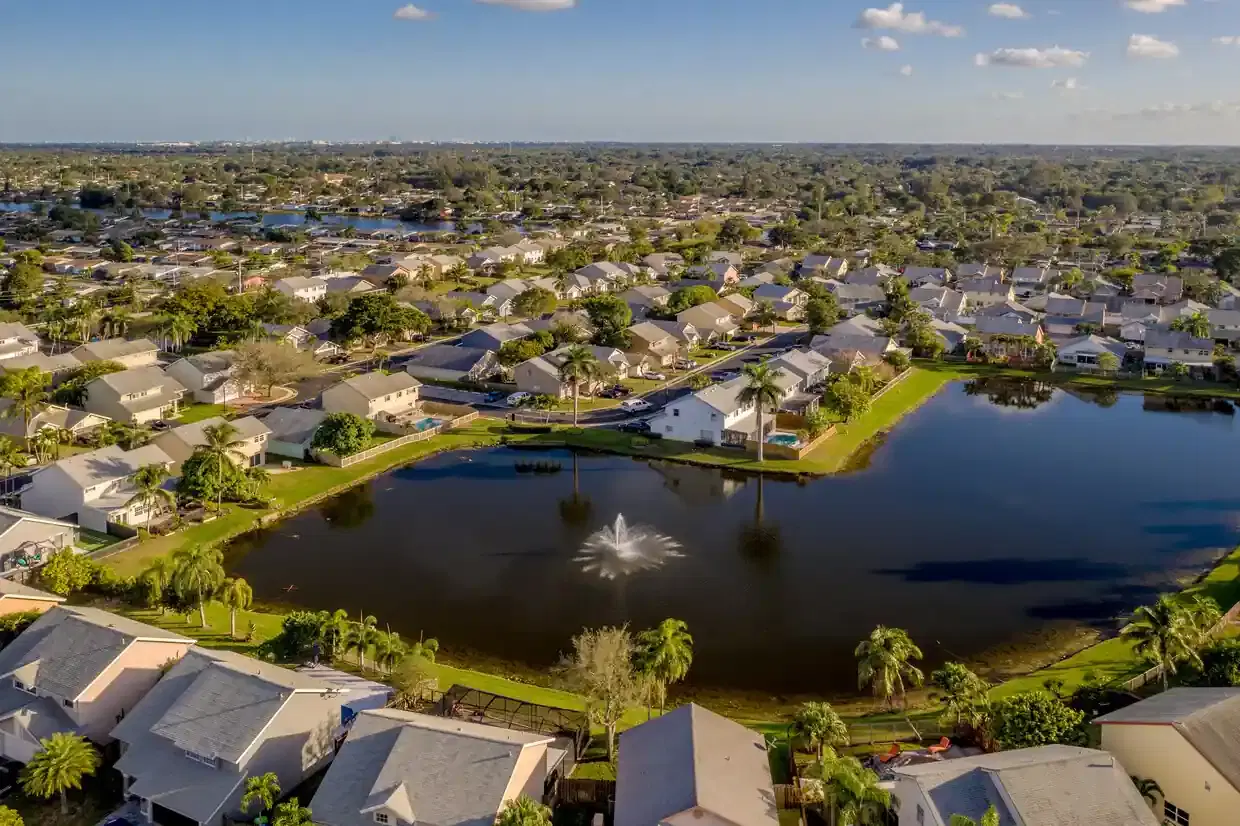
x=759, y=541
x=1024, y=394
x=350, y=509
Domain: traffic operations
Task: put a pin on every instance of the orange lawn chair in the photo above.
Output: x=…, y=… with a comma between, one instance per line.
x=944, y=745
x=895, y=752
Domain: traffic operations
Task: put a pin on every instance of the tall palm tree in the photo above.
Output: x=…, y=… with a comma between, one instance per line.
x=1204, y=614
x=990, y=818
x=156, y=579
x=821, y=727
x=577, y=366
x=664, y=656
x=762, y=392
x=27, y=389
x=852, y=792
x=524, y=811
x=45, y=445
x=263, y=789
x=335, y=634
x=237, y=595
x=425, y=649
x=59, y=766
x=884, y=663
x=149, y=482
x=222, y=446
x=197, y=575
x=389, y=650
x=361, y=636
x=1164, y=634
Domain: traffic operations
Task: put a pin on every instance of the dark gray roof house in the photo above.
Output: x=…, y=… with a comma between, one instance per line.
x=443, y=361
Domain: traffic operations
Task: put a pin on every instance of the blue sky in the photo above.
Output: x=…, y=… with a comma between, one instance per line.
x=1036, y=71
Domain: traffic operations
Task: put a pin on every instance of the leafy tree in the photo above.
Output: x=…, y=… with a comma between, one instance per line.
x=22, y=283
x=197, y=575
x=1164, y=634
x=964, y=693
x=1034, y=718
x=762, y=391
x=764, y=315
x=66, y=572
x=535, y=302
x=664, y=655
x=8, y=817
x=821, y=727
x=263, y=790
x=202, y=480
x=412, y=677
x=378, y=317
x=853, y=792
x=847, y=399
x=149, y=483
x=61, y=763
x=524, y=811
x=1196, y=324
x=897, y=359
x=237, y=595
x=292, y=813
x=735, y=231
x=1220, y=664
x=1226, y=263
x=300, y=633
x=601, y=668
x=271, y=363
x=1108, y=362
x=884, y=663
x=11, y=456
x=118, y=250
x=610, y=316
x=512, y=353
x=578, y=366
x=27, y=391
x=72, y=390
x=822, y=313
x=989, y=818
x=343, y=434
x=687, y=297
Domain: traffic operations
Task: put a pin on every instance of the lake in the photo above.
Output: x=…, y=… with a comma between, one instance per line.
x=983, y=518
x=282, y=219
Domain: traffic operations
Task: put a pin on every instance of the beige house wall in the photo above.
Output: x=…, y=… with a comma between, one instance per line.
x=10, y=604
x=529, y=775
x=120, y=686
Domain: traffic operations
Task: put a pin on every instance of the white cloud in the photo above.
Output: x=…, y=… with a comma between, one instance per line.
x=1032, y=58
x=1153, y=6
x=1009, y=10
x=1227, y=40
x=532, y=5
x=412, y=12
x=883, y=43
x=1146, y=46
x=913, y=22
x=906, y=70
x=1068, y=84
x=1170, y=111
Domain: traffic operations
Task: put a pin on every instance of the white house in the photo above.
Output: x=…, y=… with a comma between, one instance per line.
x=208, y=376
x=371, y=395
x=292, y=431
x=1083, y=353
x=128, y=354
x=714, y=415
x=302, y=288
x=251, y=435
x=139, y=395
x=17, y=340
x=96, y=487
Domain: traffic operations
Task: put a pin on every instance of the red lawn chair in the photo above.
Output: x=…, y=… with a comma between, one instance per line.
x=944, y=745
x=895, y=752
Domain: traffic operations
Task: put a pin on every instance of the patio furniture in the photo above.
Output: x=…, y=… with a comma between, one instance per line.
x=944, y=745
x=894, y=753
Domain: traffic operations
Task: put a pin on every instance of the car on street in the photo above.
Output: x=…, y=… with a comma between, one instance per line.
x=638, y=426
x=686, y=364
x=616, y=391
x=636, y=405
x=519, y=398
x=724, y=375
x=657, y=376
x=494, y=396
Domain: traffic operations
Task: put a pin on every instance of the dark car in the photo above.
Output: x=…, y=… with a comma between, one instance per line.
x=635, y=427
x=160, y=424
x=495, y=396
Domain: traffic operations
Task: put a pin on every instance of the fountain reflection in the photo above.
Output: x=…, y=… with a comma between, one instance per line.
x=620, y=550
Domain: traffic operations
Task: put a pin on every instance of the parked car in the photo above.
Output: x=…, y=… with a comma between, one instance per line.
x=160, y=424
x=724, y=375
x=636, y=427
x=657, y=376
x=616, y=391
x=686, y=364
x=519, y=398
x=494, y=396
x=636, y=405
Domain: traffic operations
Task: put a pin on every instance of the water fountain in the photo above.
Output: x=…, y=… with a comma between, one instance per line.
x=620, y=550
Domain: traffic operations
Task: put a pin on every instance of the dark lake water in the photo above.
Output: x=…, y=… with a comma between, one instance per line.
x=974, y=524
x=284, y=219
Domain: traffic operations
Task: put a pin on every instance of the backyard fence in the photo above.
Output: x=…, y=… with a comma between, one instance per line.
x=377, y=450
x=1150, y=675
x=892, y=731
x=595, y=794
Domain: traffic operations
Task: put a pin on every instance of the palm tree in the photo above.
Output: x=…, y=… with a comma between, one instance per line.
x=1163, y=633
x=853, y=792
x=821, y=727
x=524, y=811
x=263, y=789
x=578, y=365
x=45, y=444
x=1204, y=614
x=389, y=650
x=149, y=482
x=292, y=813
x=155, y=579
x=883, y=663
x=990, y=818
x=11, y=456
x=335, y=634
x=664, y=655
x=64, y=436
x=425, y=649
x=221, y=445
x=762, y=392
x=237, y=595
x=361, y=635
x=178, y=329
x=28, y=391
x=60, y=765
x=197, y=574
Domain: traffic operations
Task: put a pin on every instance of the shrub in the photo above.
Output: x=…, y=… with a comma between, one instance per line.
x=1035, y=718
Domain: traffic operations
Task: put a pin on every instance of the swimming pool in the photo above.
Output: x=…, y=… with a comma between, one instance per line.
x=785, y=439
x=426, y=424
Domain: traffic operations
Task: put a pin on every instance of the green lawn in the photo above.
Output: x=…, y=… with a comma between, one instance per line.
x=1161, y=385
x=91, y=541
x=198, y=412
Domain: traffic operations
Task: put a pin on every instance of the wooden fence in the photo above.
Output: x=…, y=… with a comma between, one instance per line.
x=787, y=796
x=594, y=794
x=347, y=461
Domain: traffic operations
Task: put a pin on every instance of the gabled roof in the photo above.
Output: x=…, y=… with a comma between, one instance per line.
x=216, y=361
x=138, y=380
x=424, y=769
x=113, y=348
x=10, y=588
x=1045, y=786
x=109, y=464
x=294, y=424
x=448, y=357
x=377, y=385
x=692, y=759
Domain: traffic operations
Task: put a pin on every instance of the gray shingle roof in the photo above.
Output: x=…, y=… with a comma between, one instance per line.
x=137, y=380
x=427, y=769
x=377, y=385
x=16, y=589
x=113, y=348
x=691, y=758
x=447, y=357
x=1046, y=786
x=294, y=424
x=110, y=463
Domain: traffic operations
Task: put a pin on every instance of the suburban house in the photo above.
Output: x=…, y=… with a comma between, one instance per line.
x=1224, y=325
x=17, y=340
x=507, y=290
x=1030, y=280
x=349, y=285
x=486, y=306
x=400, y=768
x=951, y=335
x=798, y=371
x=138, y=395
x=1045, y=785
x=128, y=354
x=53, y=416
x=490, y=258
x=560, y=289
x=692, y=766
x=493, y=336
x=713, y=415
x=985, y=292
x=292, y=431
x=1185, y=741
x=975, y=270
x=877, y=276
x=738, y=304
x=857, y=298
x=215, y=719
x=541, y=374
x=301, y=288
x=1008, y=309
x=712, y=321
x=663, y=263
x=77, y=670
x=208, y=376
x=941, y=302
x=645, y=297
x=372, y=395
x=926, y=276
x=94, y=487
x=827, y=265
x=1164, y=348
x=57, y=366
x=16, y=598
x=180, y=442
x=653, y=342
x=1010, y=337
x=1083, y=353
x=603, y=277
x=303, y=339
x=1157, y=288
x=448, y=363
x=27, y=540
